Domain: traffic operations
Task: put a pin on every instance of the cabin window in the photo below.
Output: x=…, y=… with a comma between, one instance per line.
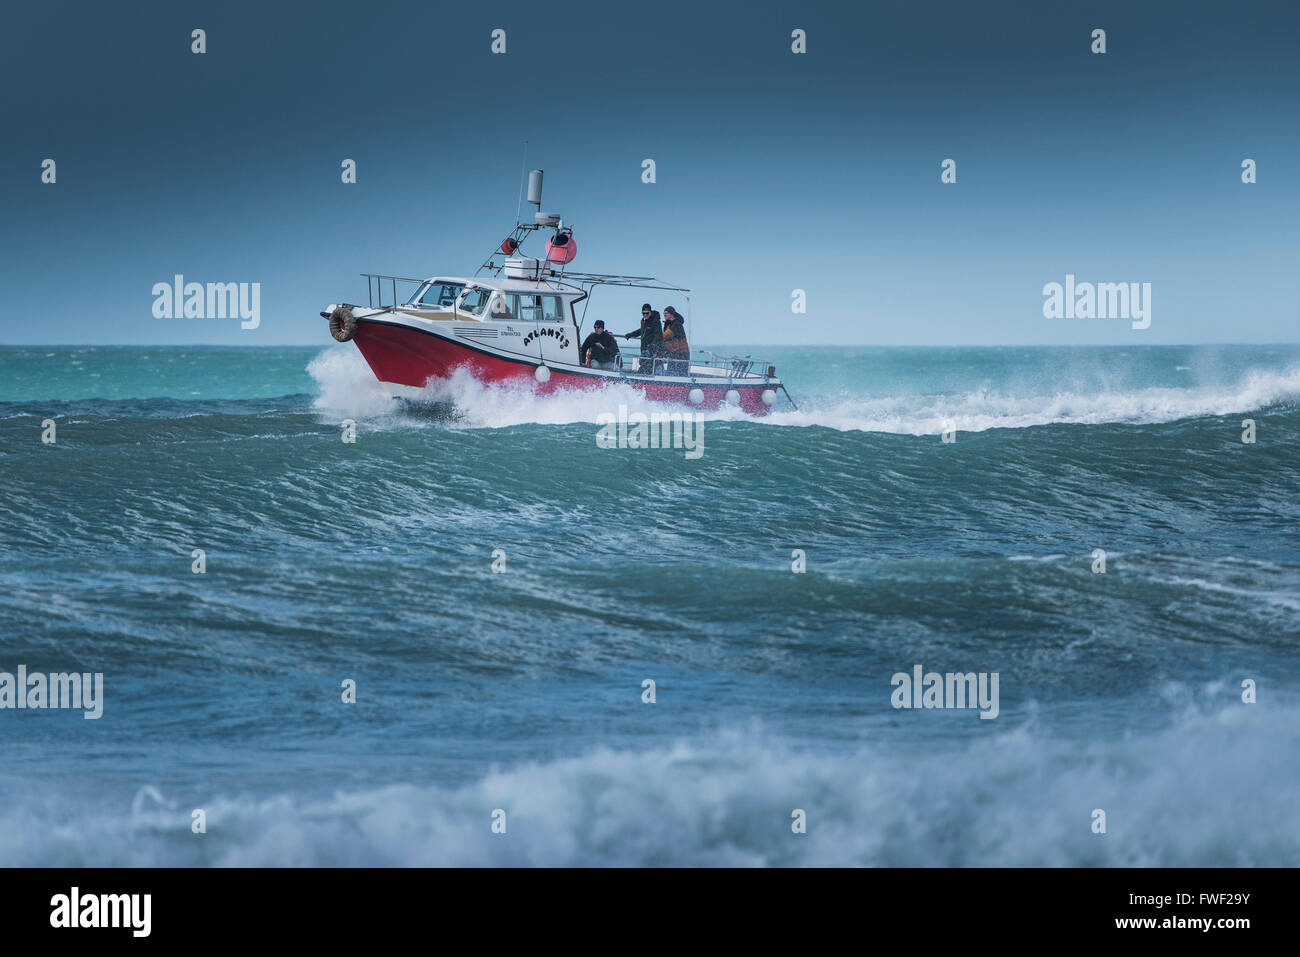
x=475, y=301
x=440, y=295
x=528, y=307
x=502, y=307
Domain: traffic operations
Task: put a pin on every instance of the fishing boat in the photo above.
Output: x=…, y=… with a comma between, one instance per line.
x=519, y=322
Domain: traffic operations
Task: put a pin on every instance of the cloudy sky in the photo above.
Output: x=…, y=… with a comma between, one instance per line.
x=775, y=171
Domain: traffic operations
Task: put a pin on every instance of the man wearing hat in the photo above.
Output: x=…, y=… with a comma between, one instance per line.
x=599, y=350
x=651, y=335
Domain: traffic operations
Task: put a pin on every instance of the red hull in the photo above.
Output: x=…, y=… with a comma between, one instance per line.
x=405, y=356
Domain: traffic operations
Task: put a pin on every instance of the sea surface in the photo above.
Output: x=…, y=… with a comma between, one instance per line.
x=521, y=689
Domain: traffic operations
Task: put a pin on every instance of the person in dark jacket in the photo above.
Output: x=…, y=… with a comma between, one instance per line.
x=676, y=348
x=651, y=335
x=599, y=350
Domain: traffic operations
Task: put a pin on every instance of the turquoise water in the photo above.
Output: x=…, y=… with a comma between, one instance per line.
x=522, y=690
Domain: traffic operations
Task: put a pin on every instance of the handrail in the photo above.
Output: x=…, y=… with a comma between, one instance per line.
x=378, y=290
x=718, y=366
x=737, y=365
x=604, y=279
x=373, y=275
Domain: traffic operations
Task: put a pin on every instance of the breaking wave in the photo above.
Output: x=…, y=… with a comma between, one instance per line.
x=988, y=409
x=1214, y=789
x=347, y=387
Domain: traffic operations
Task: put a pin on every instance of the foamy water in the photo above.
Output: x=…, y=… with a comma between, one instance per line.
x=1192, y=794
x=499, y=587
x=348, y=387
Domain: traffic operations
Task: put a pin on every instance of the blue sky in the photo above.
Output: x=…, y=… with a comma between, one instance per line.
x=775, y=171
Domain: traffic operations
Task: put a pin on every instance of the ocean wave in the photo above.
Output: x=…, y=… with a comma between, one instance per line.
x=1214, y=789
x=986, y=409
x=348, y=388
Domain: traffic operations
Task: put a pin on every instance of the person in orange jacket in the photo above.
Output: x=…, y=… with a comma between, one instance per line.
x=675, y=345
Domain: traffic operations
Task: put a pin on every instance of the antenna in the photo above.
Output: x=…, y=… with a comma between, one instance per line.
x=522, y=166
x=540, y=219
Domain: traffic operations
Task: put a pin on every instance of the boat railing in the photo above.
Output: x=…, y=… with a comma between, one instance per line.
x=733, y=365
x=377, y=285
x=720, y=366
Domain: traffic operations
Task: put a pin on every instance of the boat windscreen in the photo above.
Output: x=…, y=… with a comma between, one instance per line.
x=436, y=295
x=474, y=301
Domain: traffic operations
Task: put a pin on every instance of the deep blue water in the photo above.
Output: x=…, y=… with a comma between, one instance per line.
x=522, y=690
